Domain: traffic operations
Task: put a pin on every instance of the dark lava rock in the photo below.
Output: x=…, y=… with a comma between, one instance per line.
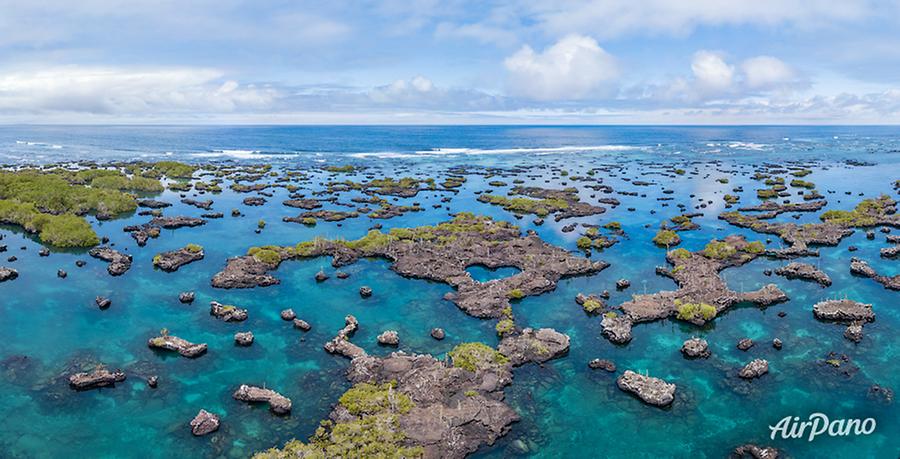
x=186, y=297
x=602, y=364
x=174, y=343
x=342, y=275
x=227, y=312
x=288, y=314
x=204, y=423
x=438, y=333
x=782, y=314
x=302, y=325
x=745, y=344
x=243, y=338
x=389, y=337
x=532, y=345
x=777, y=344
x=751, y=451
x=152, y=203
x=321, y=276
x=843, y=310
x=100, y=377
x=622, y=284
x=695, y=348
x=804, y=271
x=653, y=391
x=365, y=292
x=119, y=262
x=171, y=261
x=44, y=252
x=754, y=369
x=61, y=274
x=278, y=404
x=153, y=381
x=103, y=302
x=616, y=328
x=854, y=332
x=254, y=201
x=80, y=263
x=8, y=274
x=882, y=394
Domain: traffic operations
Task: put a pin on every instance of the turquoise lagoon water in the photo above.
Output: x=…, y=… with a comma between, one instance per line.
x=51, y=325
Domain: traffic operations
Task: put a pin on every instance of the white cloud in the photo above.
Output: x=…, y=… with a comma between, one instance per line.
x=766, y=72
x=108, y=90
x=711, y=71
x=574, y=68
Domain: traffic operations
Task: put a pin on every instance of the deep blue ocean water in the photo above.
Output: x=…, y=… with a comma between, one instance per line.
x=567, y=410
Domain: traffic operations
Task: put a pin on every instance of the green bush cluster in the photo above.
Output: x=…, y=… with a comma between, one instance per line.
x=366, y=398
x=476, y=356
x=592, y=305
x=719, y=250
x=336, y=169
x=797, y=183
x=65, y=230
x=269, y=254
x=193, y=248
x=515, y=294
x=866, y=213
x=666, y=238
x=584, y=243
x=766, y=193
x=680, y=253
x=174, y=169
x=505, y=326
x=691, y=311
x=539, y=207
x=731, y=199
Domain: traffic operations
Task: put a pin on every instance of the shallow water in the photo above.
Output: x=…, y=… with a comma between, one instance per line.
x=50, y=325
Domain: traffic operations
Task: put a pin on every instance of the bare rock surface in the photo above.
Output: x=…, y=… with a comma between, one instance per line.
x=171, y=261
x=174, y=343
x=754, y=369
x=278, y=404
x=804, y=271
x=532, y=345
x=843, y=310
x=119, y=263
x=204, y=423
x=227, y=312
x=100, y=377
x=653, y=391
x=444, y=256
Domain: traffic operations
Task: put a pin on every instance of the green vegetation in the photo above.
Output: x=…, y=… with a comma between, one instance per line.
x=755, y=247
x=691, y=311
x=454, y=182
x=797, y=183
x=666, y=238
x=505, y=326
x=337, y=169
x=613, y=226
x=610, y=315
x=365, y=398
x=722, y=180
x=719, y=250
x=496, y=183
x=268, y=254
x=766, y=193
x=583, y=243
x=680, y=254
x=774, y=181
x=731, y=199
x=679, y=171
x=592, y=305
x=539, y=207
x=261, y=224
x=375, y=432
x=193, y=248
x=309, y=221
x=515, y=294
x=866, y=213
x=476, y=356
x=801, y=173
x=471, y=393
x=173, y=169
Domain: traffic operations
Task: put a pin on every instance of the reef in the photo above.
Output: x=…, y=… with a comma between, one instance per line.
x=861, y=268
x=119, y=263
x=174, y=343
x=439, y=253
x=278, y=404
x=171, y=261
x=653, y=391
x=100, y=377
x=804, y=271
x=702, y=293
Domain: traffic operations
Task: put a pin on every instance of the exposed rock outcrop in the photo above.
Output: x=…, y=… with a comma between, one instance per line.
x=119, y=263
x=7, y=274
x=536, y=346
x=443, y=256
x=174, y=343
x=754, y=369
x=204, y=423
x=695, y=348
x=100, y=377
x=861, y=268
x=171, y=261
x=843, y=310
x=804, y=271
x=278, y=404
x=653, y=391
x=227, y=312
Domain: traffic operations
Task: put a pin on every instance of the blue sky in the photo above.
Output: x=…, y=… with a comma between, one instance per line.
x=450, y=61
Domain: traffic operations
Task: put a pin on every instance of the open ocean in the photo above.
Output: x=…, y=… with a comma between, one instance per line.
x=49, y=324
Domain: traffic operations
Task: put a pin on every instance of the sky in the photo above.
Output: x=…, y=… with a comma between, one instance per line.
x=450, y=61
